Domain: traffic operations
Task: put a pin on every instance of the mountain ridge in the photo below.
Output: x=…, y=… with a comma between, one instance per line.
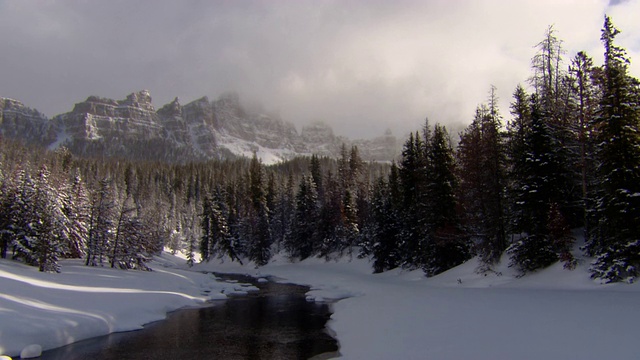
x=200, y=130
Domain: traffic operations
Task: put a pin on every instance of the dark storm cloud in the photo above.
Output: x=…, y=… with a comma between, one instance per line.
x=361, y=66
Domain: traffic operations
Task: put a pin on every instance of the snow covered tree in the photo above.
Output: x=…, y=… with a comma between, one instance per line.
x=535, y=190
x=316, y=176
x=481, y=168
x=493, y=164
x=124, y=233
x=75, y=206
x=413, y=179
x=548, y=71
x=330, y=219
x=554, y=99
x=4, y=219
x=585, y=96
x=616, y=236
x=301, y=240
x=190, y=230
x=101, y=223
x=282, y=213
x=348, y=228
x=257, y=227
x=386, y=202
x=47, y=224
x=22, y=218
x=446, y=246
x=216, y=239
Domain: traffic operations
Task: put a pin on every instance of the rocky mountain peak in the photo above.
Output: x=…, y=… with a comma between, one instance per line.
x=200, y=130
x=135, y=104
x=21, y=122
x=171, y=110
x=140, y=99
x=317, y=133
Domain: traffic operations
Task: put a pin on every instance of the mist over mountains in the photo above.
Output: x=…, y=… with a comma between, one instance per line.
x=201, y=130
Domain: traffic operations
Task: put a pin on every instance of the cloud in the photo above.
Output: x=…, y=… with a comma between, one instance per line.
x=361, y=66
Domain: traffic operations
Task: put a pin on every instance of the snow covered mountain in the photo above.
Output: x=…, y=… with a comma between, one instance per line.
x=200, y=130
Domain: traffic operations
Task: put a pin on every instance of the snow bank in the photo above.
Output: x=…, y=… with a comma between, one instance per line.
x=462, y=314
x=52, y=310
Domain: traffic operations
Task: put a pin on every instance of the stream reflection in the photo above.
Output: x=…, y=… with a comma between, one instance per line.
x=276, y=322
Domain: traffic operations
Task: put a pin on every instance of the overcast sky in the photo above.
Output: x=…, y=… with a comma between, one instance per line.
x=361, y=66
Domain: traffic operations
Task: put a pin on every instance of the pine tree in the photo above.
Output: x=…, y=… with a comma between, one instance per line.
x=585, y=98
x=471, y=189
x=101, y=223
x=47, y=224
x=301, y=241
x=386, y=226
x=556, y=107
x=4, y=219
x=348, y=229
x=548, y=72
x=217, y=239
x=446, y=246
x=482, y=161
x=22, y=217
x=535, y=191
x=616, y=237
x=259, y=247
x=75, y=206
x=316, y=176
x=518, y=130
x=190, y=233
x=330, y=229
x=125, y=224
x=283, y=212
x=413, y=179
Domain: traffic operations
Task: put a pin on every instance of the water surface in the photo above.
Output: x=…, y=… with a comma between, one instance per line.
x=276, y=322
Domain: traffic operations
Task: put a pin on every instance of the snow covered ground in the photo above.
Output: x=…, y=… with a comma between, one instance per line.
x=52, y=310
x=554, y=314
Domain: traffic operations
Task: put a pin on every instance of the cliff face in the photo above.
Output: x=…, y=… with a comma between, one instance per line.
x=200, y=130
x=20, y=122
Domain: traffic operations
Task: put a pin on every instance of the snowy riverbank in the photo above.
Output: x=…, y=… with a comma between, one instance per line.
x=554, y=314
x=82, y=302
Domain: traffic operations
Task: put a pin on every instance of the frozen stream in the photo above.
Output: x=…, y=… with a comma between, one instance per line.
x=276, y=322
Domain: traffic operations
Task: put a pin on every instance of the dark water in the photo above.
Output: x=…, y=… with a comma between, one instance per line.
x=276, y=322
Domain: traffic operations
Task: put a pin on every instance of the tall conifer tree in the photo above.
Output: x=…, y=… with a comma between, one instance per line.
x=616, y=238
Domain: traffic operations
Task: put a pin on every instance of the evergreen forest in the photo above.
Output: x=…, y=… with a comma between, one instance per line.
x=517, y=182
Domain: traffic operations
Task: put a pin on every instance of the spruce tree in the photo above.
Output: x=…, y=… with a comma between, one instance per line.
x=282, y=213
x=585, y=96
x=445, y=246
x=482, y=162
x=22, y=217
x=217, y=239
x=259, y=246
x=330, y=228
x=75, y=206
x=301, y=240
x=386, y=227
x=616, y=236
x=413, y=179
x=535, y=191
x=101, y=223
x=47, y=224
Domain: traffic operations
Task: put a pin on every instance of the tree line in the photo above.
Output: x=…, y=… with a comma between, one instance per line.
x=568, y=157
